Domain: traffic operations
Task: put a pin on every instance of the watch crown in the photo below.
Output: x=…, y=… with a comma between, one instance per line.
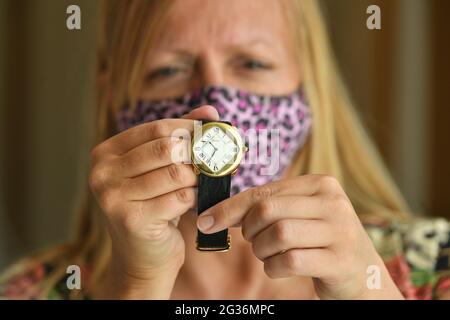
x=245, y=148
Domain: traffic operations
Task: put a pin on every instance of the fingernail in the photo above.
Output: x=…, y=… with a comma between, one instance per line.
x=205, y=222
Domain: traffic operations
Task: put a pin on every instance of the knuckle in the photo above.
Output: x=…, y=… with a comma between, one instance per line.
x=184, y=195
x=338, y=203
x=328, y=183
x=265, y=210
x=176, y=174
x=282, y=231
x=97, y=152
x=162, y=148
x=158, y=128
x=292, y=260
x=261, y=193
x=98, y=178
x=131, y=224
x=156, y=233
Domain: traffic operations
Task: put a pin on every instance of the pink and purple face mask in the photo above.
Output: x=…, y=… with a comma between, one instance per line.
x=274, y=127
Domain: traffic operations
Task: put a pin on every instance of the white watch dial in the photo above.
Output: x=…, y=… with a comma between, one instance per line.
x=215, y=149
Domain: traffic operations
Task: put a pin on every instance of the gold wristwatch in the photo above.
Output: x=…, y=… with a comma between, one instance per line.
x=217, y=151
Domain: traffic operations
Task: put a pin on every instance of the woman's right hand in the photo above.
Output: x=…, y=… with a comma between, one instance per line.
x=142, y=194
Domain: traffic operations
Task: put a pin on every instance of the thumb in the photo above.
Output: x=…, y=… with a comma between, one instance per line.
x=206, y=112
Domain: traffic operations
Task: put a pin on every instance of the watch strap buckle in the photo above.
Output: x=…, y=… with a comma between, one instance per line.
x=214, y=249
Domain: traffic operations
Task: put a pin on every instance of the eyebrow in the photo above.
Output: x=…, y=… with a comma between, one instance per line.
x=184, y=52
x=258, y=42
x=253, y=42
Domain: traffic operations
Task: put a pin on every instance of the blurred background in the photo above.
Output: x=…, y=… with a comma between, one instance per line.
x=399, y=77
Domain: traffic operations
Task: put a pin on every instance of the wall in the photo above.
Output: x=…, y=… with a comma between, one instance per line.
x=398, y=77
x=47, y=114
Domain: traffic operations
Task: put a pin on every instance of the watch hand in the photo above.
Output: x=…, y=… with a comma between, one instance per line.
x=212, y=145
x=212, y=155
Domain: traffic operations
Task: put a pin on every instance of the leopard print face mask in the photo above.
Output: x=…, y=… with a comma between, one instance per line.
x=274, y=127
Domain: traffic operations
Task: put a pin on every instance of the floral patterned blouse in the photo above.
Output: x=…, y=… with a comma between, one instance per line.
x=416, y=254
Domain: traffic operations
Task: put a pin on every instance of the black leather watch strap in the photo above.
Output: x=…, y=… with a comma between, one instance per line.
x=212, y=190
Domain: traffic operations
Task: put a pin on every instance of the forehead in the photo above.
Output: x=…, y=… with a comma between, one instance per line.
x=194, y=24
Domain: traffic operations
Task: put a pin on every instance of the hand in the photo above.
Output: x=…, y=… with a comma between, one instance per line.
x=142, y=194
x=305, y=226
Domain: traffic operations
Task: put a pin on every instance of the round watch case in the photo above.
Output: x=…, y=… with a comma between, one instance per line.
x=212, y=138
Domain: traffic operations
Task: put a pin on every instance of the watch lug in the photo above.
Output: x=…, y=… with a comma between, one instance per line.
x=196, y=171
x=234, y=172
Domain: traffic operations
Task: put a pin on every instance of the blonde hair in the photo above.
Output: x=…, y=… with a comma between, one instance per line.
x=339, y=146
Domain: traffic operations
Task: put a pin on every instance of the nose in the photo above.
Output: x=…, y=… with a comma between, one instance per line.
x=209, y=71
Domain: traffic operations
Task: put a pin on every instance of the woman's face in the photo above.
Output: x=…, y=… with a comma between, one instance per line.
x=245, y=44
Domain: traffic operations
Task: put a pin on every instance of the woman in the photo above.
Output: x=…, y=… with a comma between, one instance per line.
x=296, y=235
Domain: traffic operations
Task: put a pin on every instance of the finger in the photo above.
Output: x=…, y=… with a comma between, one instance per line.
x=231, y=211
x=269, y=211
x=133, y=137
x=292, y=234
x=164, y=150
x=317, y=263
x=169, y=206
x=159, y=182
x=153, y=155
x=149, y=131
x=206, y=112
x=150, y=218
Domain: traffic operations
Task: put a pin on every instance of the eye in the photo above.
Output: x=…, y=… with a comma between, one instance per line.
x=252, y=64
x=163, y=72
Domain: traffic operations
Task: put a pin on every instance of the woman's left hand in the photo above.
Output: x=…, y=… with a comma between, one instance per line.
x=306, y=226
